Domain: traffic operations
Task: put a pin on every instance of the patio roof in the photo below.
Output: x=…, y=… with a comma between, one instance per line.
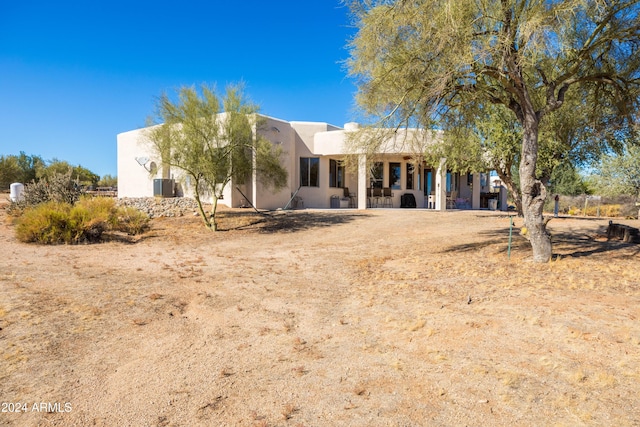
x=400, y=142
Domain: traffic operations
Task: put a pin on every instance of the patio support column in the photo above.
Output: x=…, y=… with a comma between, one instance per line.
x=503, y=198
x=362, y=181
x=441, y=186
x=475, y=195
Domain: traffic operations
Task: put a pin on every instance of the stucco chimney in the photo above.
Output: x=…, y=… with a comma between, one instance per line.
x=351, y=126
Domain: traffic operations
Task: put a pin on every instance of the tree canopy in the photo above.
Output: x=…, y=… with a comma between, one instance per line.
x=445, y=63
x=214, y=141
x=21, y=168
x=620, y=174
x=79, y=173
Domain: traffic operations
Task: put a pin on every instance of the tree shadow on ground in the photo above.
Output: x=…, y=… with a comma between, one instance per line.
x=575, y=245
x=572, y=243
x=492, y=238
x=286, y=221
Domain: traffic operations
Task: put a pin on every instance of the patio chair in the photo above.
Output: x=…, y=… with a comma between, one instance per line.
x=451, y=200
x=376, y=195
x=350, y=196
x=388, y=197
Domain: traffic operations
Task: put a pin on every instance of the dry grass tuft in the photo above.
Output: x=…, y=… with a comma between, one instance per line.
x=288, y=410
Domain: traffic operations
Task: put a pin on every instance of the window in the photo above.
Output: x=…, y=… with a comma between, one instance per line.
x=377, y=172
x=310, y=171
x=453, y=181
x=336, y=174
x=394, y=176
x=410, y=171
x=429, y=185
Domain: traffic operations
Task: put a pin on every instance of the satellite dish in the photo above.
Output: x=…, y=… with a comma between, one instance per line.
x=142, y=160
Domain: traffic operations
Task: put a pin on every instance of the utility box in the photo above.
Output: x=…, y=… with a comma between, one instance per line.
x=163, y=187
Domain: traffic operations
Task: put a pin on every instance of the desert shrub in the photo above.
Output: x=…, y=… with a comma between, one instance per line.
x=131, y=221
x=91, y=217
x=46, y=223
x=103, y=207
x=86, y=221
x=60, y=187
x=609, y=206
x=603, y=210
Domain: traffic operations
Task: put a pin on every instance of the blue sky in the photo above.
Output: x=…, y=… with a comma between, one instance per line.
x=74, y=74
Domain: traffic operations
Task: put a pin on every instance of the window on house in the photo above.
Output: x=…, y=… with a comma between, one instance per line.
x=336, y=174
x=377, y=172
x=429, y=184
x=453, y=181
x=410, y=173
x=394, y=176
x=310, y=171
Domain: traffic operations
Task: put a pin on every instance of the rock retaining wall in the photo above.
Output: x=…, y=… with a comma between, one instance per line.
x=157, y=207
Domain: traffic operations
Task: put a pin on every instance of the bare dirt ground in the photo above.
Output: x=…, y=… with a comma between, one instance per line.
x=322, y=318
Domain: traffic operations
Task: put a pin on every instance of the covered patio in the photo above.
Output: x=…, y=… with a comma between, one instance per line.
x=396, y=180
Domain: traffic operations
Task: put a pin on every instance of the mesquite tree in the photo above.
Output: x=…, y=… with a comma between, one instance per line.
x=421, y=61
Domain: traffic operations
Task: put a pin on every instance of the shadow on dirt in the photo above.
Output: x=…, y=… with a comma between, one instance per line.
x=571, y=243
x=288, y=221
x=575, y=245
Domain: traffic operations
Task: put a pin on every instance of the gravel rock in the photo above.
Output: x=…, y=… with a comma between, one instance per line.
x=157, y=207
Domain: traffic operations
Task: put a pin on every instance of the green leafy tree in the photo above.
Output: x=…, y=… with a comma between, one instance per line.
x=214, y=147
x=108, y=181
x=21, y=168
x=9, y=171
x=79, y=173
x=30, y=166
x=566, y=180
x=620, y=174
x=425, y=61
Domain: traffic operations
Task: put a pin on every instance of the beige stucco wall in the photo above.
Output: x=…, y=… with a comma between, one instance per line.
x=297, y=140
x=281, y=134
x=133, y=179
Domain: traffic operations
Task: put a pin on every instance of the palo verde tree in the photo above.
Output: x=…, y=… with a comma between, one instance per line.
x=214, y=142
x=430, y=59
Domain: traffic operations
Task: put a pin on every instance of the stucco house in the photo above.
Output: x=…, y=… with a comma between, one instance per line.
x=317, y=178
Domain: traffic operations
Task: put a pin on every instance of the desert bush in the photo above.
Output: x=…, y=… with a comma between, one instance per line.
x=91, y=217
x=609, y=206
x=55, y=222
x=47, y=223
x=603, y=210
x=58, y=188
x=131, y=221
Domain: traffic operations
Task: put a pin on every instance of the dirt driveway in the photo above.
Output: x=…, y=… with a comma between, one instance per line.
x=322, y=318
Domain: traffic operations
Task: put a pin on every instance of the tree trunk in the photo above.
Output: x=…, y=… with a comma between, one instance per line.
x=534, y=193
x=214, y=208
x=203, y=214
